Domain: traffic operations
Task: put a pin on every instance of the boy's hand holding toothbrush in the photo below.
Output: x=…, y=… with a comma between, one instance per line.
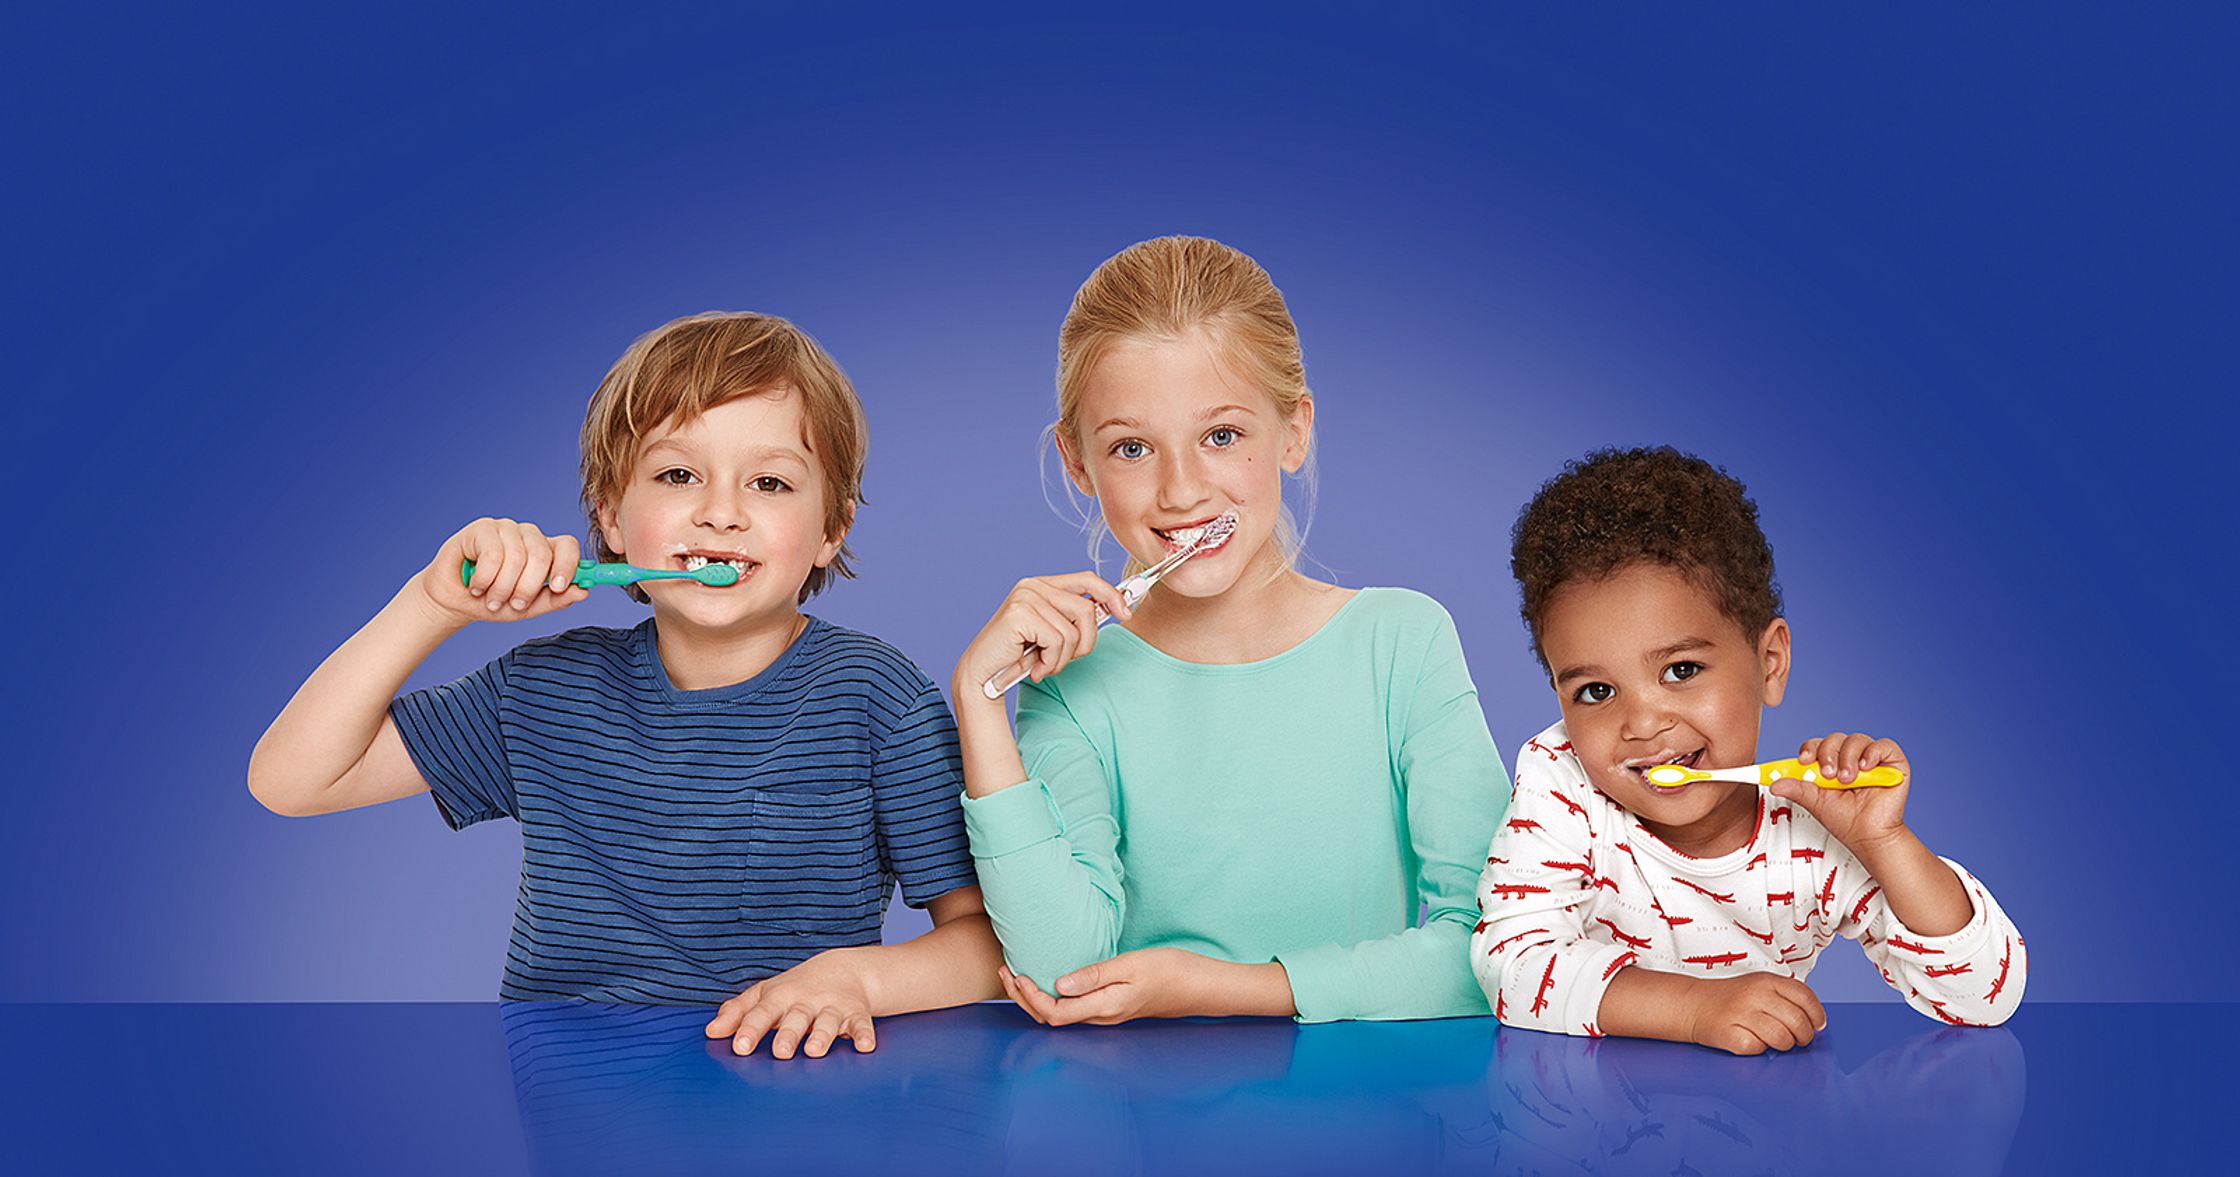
x=519, y=573
x=1862, y=819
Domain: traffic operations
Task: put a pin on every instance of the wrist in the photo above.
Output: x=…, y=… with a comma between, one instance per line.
x=417, y=607
x=1872, y=852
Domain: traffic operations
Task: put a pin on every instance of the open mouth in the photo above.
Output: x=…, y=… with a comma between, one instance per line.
x=1640, y=770
x=1183, y=535
x=695, y=561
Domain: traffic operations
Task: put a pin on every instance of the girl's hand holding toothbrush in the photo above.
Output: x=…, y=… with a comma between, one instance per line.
x=519, y=572
x=1044, y=623
x=1861, y=819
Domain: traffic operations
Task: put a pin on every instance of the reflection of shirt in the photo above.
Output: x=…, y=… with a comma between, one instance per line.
x=1575, y=889
x=1303, y=808
x=678, y=845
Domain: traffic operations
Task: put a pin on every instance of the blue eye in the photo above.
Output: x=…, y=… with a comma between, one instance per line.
x=770, y=484
x=1594, y=692
x=1223, y=437
x=1682, y=671
x=1129, y=451
x=674, y=476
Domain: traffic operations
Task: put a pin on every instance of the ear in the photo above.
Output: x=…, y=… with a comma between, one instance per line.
x=830, y=550
x=1300, y=435
x=1069, y=456
x=1773, y=656
x=610, y=529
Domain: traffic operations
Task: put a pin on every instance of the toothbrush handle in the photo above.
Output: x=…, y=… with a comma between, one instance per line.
x=1001, y=682
x=1881, y=776
x=589, y=573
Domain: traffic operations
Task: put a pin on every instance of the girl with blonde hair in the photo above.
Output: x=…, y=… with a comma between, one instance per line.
x=1261, y=794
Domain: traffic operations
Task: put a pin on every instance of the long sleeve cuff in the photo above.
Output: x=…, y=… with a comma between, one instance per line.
x=1325, y=987
x=1011, y=819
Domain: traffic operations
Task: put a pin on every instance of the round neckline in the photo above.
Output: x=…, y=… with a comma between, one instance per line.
x=1273, y=660
x=649, y=658
x=1674, y=856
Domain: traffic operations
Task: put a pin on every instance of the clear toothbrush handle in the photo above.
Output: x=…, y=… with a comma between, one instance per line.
x=1131, y=591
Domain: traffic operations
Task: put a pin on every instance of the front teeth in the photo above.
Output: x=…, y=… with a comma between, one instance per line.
x=696, y=563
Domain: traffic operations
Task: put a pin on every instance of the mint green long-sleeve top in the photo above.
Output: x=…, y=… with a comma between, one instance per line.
x=1302, y=809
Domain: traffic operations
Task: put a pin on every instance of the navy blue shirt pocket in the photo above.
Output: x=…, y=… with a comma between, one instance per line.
x=812, y=862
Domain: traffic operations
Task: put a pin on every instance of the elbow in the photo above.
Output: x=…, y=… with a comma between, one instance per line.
x=270, y=788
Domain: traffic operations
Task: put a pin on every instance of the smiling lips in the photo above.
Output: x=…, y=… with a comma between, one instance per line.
x=695, y=561
x=1640, y=765
x=1183, y=535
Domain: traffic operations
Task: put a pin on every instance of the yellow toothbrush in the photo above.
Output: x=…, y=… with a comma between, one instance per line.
x=1881, y=776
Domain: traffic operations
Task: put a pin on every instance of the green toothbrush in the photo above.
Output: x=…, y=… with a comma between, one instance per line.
x=591, y=574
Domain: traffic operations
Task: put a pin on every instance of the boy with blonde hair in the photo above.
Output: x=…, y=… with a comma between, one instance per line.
x=716, y=803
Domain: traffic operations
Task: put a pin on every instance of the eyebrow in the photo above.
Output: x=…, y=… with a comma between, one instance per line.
x=1207, y=415
x=760, y=453
x=1657, y=655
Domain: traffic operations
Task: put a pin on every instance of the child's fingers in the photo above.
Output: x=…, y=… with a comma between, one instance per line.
x=566, y=554
x=1095, y=588
x=726, y=1021
x=859, y=1031
x=1793, y=1019
x=786, y=1036
x=1801, y=995
x=512, y=555
x=822, y=1030
x=536, y=568
x=1769, y=1028
x=1881, y=752
x=752, y=1027
x=479, y=543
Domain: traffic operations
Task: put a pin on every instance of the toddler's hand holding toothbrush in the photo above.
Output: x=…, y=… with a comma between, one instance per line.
x=1859, y=818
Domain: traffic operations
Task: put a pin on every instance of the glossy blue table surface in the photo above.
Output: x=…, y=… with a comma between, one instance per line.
x=600, y=1089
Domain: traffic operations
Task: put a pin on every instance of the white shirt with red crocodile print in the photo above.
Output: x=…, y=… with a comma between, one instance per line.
x=1574, y=889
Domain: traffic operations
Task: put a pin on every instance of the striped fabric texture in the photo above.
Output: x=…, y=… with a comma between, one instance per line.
x=678, y=846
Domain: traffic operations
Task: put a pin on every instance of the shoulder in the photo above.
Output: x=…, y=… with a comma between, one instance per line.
x=1547, y=763
x=850, y=661
x=1402, y=608
x=580, y=650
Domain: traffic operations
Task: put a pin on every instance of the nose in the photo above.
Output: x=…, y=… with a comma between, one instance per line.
x=1182, y=484
x=1643, y=718
x=721, y=507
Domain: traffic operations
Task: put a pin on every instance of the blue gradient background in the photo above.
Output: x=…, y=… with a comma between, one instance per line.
x=293, y=298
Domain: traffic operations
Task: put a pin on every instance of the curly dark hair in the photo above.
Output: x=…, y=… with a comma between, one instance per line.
x=1614, y=508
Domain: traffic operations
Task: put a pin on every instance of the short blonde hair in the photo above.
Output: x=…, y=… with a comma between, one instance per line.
x=1166, y=289
x=690, y=365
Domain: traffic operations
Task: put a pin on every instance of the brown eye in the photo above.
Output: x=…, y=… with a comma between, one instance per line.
x=1682, y=671
x=1595, y=692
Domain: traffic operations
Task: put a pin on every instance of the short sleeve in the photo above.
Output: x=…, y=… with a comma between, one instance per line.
x=453, y=735
x=917, y=771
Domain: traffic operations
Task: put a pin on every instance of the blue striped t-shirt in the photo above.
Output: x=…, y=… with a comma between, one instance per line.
x=679, y=845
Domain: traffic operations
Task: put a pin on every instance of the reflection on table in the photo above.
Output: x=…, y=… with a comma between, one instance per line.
x=611, y=1089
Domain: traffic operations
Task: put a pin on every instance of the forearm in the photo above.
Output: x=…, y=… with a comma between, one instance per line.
x=1644, y=1003
x=953, y=964
x=1918, y=887
x=333, y=718
x=1414, y=973
x=990, y=750
x=1228, y=990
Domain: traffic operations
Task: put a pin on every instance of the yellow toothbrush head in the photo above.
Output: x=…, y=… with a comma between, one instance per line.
x=1668, y=775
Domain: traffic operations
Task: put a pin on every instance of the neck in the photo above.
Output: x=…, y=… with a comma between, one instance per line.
x=698, y=659
x=1269, y=609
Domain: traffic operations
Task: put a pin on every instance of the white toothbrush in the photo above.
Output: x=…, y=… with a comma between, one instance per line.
x=1193, y=540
